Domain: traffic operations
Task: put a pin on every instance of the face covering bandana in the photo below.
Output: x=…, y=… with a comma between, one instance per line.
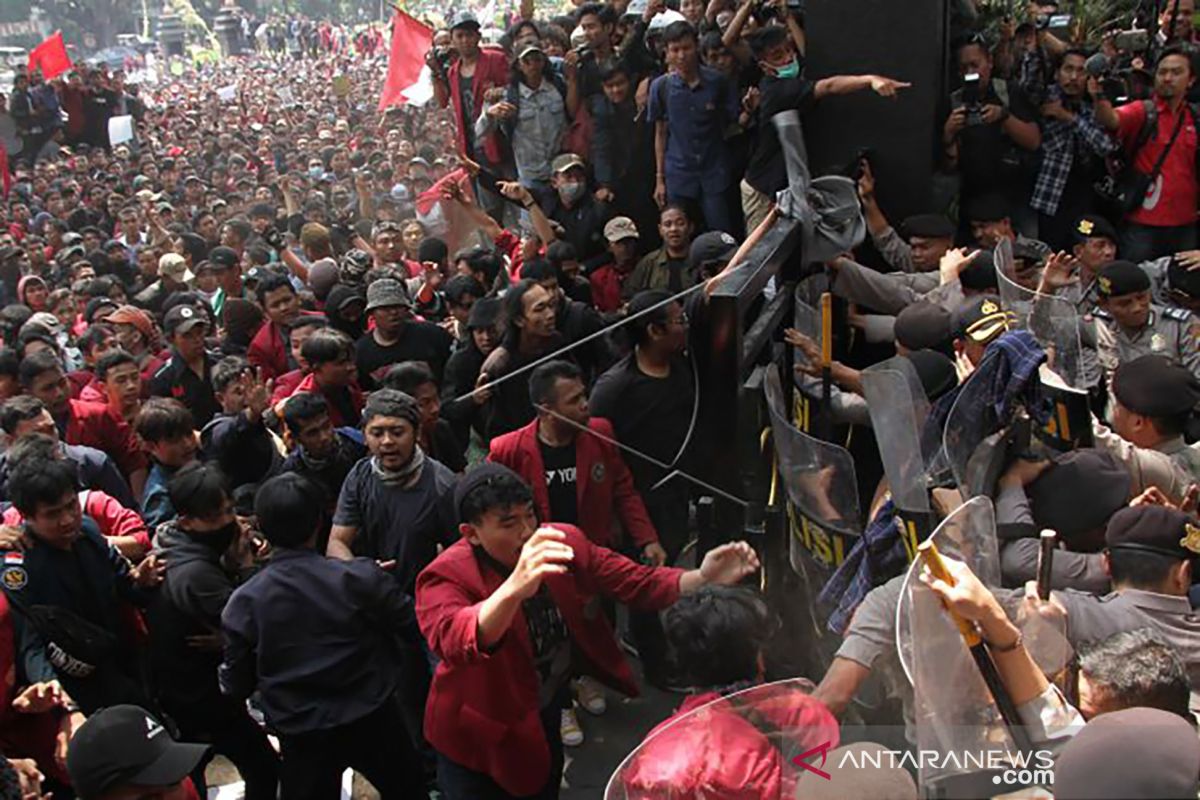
x=220, y=539
x=571, y=192
x=788, y=70
x=407, y=476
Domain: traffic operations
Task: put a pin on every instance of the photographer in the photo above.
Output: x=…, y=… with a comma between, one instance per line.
x=1073, y=142
x=991, y=126
x=1159, y=138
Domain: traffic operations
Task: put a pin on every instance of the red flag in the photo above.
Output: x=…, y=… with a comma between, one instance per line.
x=50, y=57
x=444, y=218
x=410, y=41
x=5, y=175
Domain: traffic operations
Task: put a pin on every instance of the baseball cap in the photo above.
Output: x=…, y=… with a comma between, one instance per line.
x=126, y=744
x=464, y=19
x=223, y=257
x=532, y=47
x=981, y=319
x=182, y=319
x=132, y=315
x=565, y=162
x=174, y=266
x=710, y=248
x=387, y=292
x=620, y=228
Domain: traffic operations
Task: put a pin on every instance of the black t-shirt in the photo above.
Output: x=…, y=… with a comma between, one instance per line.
x=560, y=481
x=766, y=171
x=984, y=150
x=419, y=341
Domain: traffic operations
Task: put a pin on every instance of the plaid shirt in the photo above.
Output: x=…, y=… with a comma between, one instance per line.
x=1062, y=143
x=876, y=558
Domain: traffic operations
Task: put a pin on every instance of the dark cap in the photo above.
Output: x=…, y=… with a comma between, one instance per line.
x=928, y=226
x=1182, y=279
x=981, y=319
x=223, y=257
x=1155, y=386
x=980, y=274
x=478, y=476
x=182, y=319
x=113, y=244
x=923, y=325
x=935, y=371
x=987, y=208
x=484, y=313
x=95, y=305
x=1153, y=529
x=1094, y=226
x=262, y=210
x=1088, y=473
x=1119, y=278
x=710, y=248
x=1134, y=752
x=127, y=745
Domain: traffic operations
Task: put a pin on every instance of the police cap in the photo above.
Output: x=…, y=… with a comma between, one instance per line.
x=1054, y=498
x=923, y=325
x=1094, y=226
x=1154, y=386
x=1153, y=529
x=1119, y=278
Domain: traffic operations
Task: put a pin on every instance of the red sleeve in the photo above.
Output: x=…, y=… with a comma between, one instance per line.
x=1131, y=117
x=509, y=245
x=122, y=444
x=448, y=615
x=115, y=519
x=644, y=588
x=630, y=506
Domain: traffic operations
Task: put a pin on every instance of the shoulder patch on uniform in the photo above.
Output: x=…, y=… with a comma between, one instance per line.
x=1176, y=313
x=14, y=578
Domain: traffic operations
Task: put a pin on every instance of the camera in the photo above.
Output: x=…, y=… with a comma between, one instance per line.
x=1133, y=41
x=971, y=99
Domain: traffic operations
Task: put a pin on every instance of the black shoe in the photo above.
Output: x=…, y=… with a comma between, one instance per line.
x=667, y=681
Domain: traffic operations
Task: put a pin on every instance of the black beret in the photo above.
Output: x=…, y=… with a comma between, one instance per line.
x=990, y=207
x=1182, y=279
x=981, y=319
x=928, y=226
x=477, y=476
x=1054, y=497
x=936, y=372
x=980, y=274
x=1154, y=529
x=923, y=326
x=1119, y=278
x=1094, y=226
x=1155, y=386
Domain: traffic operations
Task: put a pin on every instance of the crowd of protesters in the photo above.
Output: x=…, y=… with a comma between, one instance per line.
x=334, y=437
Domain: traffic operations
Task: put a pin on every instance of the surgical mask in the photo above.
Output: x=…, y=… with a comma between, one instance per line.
x=570, y=191
x=789, y=70
x=315, y=172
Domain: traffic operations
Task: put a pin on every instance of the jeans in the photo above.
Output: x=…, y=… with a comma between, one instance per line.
x=717, y=210
x=374, y=745
x=459, y=783
x=1146, y=242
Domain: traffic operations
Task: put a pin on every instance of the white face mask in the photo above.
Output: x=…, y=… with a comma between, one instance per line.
x=571, y=191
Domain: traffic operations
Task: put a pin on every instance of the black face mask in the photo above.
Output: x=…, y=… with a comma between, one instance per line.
x=220, y=539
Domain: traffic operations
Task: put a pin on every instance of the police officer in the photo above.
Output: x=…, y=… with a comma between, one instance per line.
x=187, y=375
x=1129, y=325
x=66, y=585
x=1150, y=553
x=1152, y=401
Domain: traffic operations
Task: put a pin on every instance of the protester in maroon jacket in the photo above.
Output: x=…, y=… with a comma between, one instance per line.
x=503, y=609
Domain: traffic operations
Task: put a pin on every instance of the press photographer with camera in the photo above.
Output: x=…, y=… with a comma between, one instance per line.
x=990, y=130
x=1158, y=136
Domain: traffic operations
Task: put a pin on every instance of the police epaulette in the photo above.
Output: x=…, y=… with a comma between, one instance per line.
x=1176, y=313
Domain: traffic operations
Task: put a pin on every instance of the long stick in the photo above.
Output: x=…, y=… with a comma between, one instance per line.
x=979, y=652
x=827, y=359
x=1045, y=563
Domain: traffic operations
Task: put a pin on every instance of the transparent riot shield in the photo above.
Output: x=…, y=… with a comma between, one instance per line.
x=819, y=477
x=1053, y=320
x=953, y=710
x=744, y=745
x=898, y=409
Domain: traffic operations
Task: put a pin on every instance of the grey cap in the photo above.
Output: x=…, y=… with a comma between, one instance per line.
x=464, y=19
x=387, y=292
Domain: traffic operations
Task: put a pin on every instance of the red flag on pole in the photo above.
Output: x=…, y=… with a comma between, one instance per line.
x=50, y=57
x=406, y=61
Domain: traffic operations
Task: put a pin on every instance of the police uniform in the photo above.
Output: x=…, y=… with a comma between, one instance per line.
x=177, y=380
x=1154, y=387
x=1171, y=332
x=80, y=646
x=1091, y=618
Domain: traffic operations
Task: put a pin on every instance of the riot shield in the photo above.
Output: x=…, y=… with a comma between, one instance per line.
x=953, y=710
x=1070, y=423
x=807, y=412
x=745, y=744
x=819, y=478
x=1053, y=320
x=898, y=409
